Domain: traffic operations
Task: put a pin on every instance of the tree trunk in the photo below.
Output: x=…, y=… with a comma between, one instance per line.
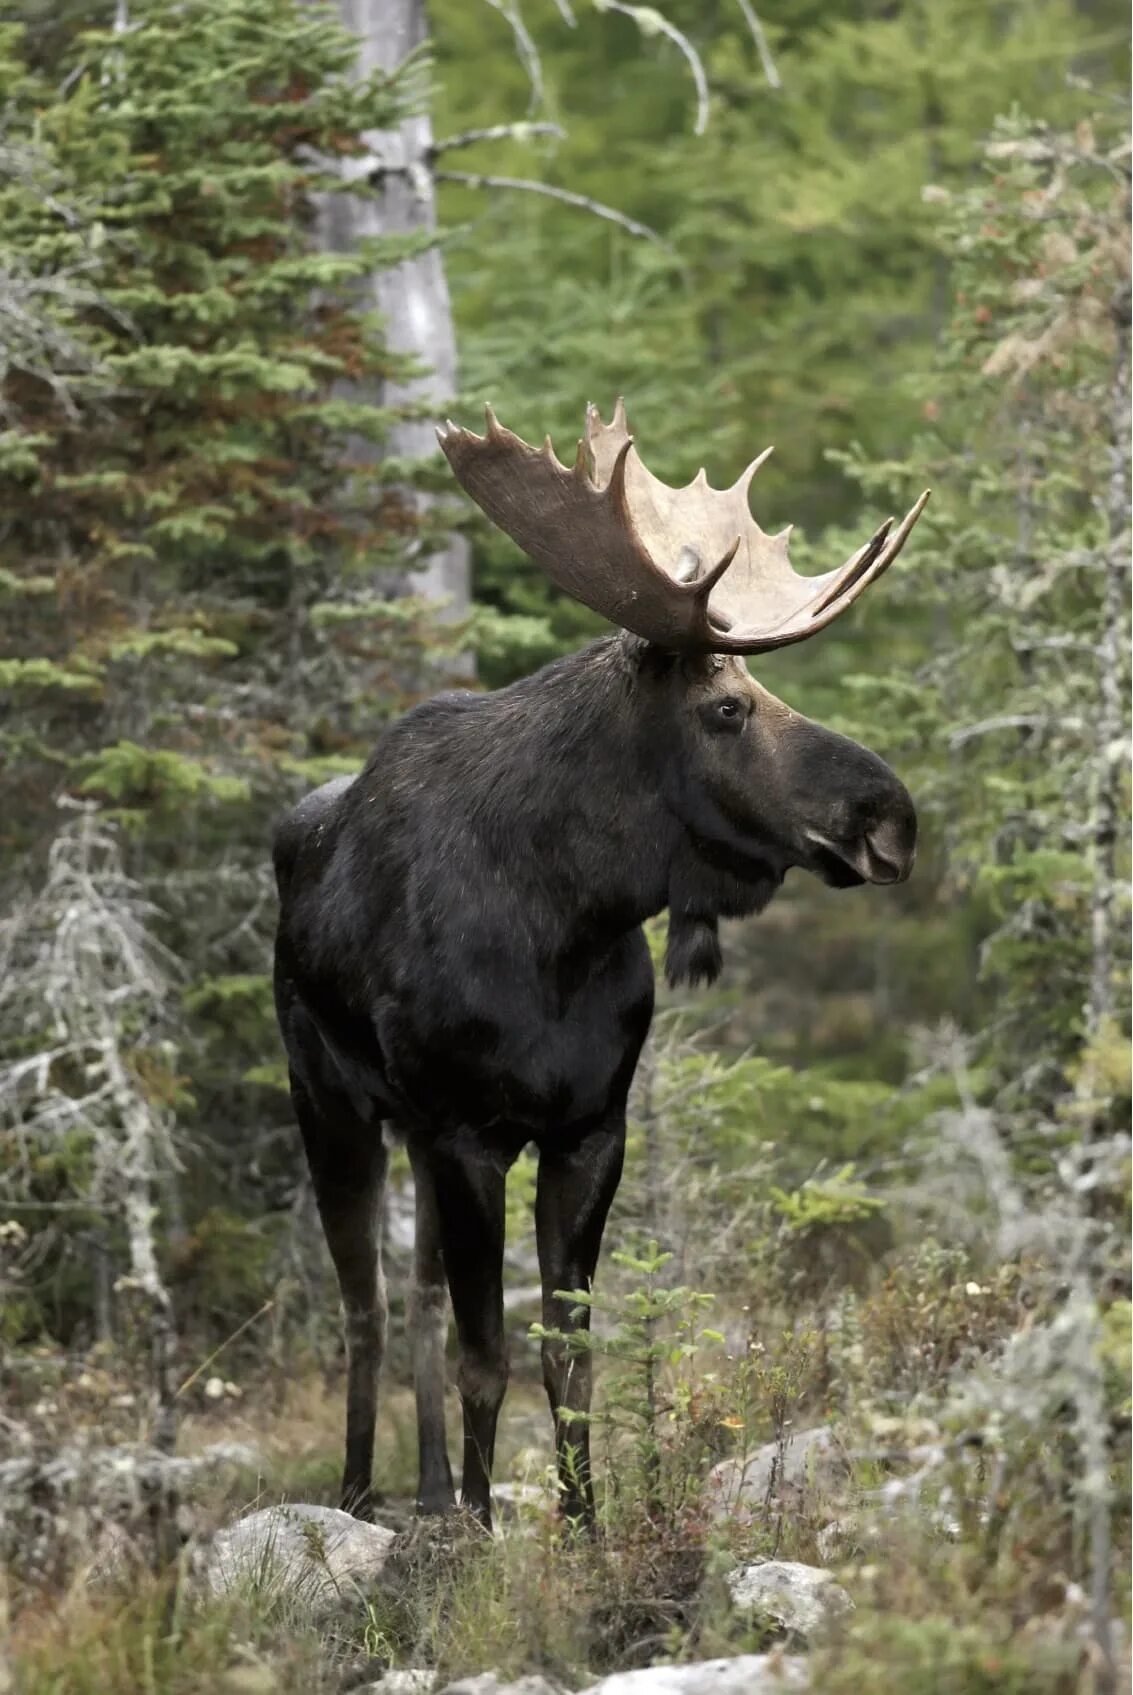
x=412, y=297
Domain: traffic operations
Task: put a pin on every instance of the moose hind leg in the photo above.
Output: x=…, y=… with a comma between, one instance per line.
x=428, y=1327
x=348, y=1163
x=572, y=1200
x=469, y=1184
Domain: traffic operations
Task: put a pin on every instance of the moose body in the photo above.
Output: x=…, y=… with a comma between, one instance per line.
x=460, y=963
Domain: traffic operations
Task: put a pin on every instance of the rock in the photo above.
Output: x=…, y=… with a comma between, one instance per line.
x=528, y=1295
x=845, y=1536
x=527, y=1501
x=746, y=1674
x=100, y=1508
x=408, y=1681
x=321, y=1554
x=812, y=1460
x=117, y=1555
x=491, y=1683
x=804, y=1600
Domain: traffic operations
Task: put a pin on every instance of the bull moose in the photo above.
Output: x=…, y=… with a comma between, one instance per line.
x=460, y=961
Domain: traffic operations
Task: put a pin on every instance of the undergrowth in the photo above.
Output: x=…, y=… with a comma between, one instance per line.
x=960, y=1543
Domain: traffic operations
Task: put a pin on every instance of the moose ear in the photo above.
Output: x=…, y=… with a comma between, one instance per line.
x=693, y=953
x=646, y=658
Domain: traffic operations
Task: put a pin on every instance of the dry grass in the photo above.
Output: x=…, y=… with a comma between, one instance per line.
x=962, y=1550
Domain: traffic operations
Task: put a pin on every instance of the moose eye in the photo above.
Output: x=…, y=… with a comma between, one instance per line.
x=728, y=714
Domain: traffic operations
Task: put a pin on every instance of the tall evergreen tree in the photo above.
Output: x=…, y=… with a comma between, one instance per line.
x=195, y=528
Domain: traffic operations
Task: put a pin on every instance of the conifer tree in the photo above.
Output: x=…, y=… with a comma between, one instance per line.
x=195, y=537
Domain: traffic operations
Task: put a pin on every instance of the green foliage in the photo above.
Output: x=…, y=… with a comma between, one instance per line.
x=823, y=1202
x=127, y=771
x=1025, y=429
x=801, y=279
x=939, y=1656
x=180, y=475
x=649, y=1339
x=198, y=534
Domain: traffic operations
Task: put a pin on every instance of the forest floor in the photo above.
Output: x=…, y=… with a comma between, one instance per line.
x=952, y=1528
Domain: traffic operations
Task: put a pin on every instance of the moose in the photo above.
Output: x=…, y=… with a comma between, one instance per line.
x=460, y=963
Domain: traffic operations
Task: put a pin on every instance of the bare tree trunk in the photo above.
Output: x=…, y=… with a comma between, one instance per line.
x=412, y=297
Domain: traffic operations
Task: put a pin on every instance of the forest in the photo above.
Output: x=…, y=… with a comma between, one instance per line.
x=861, y=1324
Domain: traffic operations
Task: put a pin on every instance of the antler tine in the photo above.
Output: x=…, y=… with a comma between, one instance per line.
x=703, y=586
x=866, y=575
x=860, y=571
x=856, y=566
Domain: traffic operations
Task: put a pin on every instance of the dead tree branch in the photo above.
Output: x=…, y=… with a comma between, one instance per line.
x=82, y=952
x=652, y=22
x=757, y=34
x=475, y=179
x=495, y=132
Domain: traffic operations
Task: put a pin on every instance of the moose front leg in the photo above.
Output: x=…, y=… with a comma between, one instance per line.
x=573, y=1197
x=469, y=1183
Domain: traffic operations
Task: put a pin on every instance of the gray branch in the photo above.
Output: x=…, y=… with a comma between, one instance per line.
x=1012, y=721
x=651, y=22
x=475, y=179
x=523, y=131
x=525, y=47
x=760, y=39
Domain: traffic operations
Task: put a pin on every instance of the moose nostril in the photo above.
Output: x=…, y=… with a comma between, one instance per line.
x=892, y=849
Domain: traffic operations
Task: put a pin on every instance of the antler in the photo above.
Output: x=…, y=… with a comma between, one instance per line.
x=687, y=569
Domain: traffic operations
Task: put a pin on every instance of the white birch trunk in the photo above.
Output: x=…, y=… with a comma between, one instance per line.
x=412, y=297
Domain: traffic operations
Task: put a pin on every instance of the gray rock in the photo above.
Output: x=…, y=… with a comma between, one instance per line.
x=521, y=1501
x=804, y=1600
x=491, y=1683
x=98, y=1509
x=318, y=1553
x=746, y=1674
x=812, y=1461
x=407, y=1681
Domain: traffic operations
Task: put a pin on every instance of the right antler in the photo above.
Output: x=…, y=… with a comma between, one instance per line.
x=651, y=558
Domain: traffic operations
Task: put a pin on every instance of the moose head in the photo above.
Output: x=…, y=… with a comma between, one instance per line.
x=695, y=583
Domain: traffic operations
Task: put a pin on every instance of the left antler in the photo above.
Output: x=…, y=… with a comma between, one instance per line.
x=688, y=569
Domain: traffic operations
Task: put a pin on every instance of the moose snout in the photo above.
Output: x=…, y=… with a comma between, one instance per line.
x=871, y=835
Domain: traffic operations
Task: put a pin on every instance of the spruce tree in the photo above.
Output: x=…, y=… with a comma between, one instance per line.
x=196, y=540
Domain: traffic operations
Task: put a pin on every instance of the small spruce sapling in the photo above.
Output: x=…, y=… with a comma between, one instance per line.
x=648, y=1394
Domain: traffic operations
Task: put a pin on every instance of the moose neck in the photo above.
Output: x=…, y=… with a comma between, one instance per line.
x=581, y=789
x=597, y=785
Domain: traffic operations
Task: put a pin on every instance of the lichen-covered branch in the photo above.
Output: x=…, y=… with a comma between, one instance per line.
x=82, y=951
x=476, y=179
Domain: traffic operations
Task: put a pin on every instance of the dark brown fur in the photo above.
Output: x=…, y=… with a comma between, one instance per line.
x=460, y=960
